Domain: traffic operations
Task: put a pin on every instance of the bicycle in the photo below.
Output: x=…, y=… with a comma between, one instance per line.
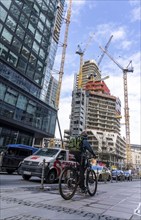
x=70, y=179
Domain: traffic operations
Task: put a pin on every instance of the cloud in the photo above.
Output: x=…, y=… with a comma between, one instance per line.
x=136, y=14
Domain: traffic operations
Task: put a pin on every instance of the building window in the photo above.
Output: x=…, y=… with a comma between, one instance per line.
x=34, y=19
x=35, y=47
x=32, y=60
x=22, y=102
x=3, y=51
x=14, y=11
x=22, y=65
x=12, y=58
x=40, y=26
x=11, y=23
x=6, y=36
x=42, y=54
x=3, y=14
x=23, y=20
x=11, y=96
x=6, y=3
x=16, y=44
x=26, y=9
x=28, y=40
x=19, y=3
x=30, y=71
x=38, y=36
x=2, y=91
x=31, y=28
x=38, y=78
x=25, y=53
x=20, y=32
x=31, y=107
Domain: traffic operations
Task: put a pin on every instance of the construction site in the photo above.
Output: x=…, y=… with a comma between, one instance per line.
x=94, y=109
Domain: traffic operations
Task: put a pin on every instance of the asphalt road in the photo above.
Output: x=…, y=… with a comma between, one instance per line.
x=25, y=200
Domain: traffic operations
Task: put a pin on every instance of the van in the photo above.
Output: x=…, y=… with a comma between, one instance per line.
x=13, y=155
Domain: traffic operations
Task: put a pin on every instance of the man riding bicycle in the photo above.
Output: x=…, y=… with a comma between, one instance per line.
x=80, y=156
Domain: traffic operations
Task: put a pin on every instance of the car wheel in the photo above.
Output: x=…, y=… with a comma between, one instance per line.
x=100, y=177
x=10, y=171
x=51, y=177
x=26, y=177
x=109, y=178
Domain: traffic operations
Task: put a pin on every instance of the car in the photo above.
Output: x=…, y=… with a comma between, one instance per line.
x=128, y=175
x=118, y=175
x=102, y=172
x=12, y=155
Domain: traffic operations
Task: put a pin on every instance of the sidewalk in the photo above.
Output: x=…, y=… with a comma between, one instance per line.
x=113, y=201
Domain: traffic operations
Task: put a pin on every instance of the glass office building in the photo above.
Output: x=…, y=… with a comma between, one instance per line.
x=26, y=32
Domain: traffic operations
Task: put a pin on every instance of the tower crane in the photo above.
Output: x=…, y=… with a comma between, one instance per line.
x=129, y=68
x=106, y=47
x=61, y=72
x=81, y=52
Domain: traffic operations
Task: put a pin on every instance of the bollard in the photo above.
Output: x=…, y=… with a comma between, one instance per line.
x=43, y=172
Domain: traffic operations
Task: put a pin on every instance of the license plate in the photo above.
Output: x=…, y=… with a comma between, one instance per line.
x=27, y=173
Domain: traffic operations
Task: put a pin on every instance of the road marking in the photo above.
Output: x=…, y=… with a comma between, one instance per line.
x=137, y=211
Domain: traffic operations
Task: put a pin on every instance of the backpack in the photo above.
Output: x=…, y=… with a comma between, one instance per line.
x=75, y=143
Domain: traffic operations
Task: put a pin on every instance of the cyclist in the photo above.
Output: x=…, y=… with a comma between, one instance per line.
x=80, y=157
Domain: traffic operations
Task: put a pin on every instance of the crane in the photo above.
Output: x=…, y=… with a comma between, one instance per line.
x=81, y=52
x=61, y=72
x=129, y=68
x=106, y=47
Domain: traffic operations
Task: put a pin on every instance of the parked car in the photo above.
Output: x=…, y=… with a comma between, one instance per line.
x=128, y=175
x=118, y=175
x=103, y=173
x=12, y=155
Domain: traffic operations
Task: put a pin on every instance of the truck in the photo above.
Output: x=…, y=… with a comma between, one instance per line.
x=52, y=159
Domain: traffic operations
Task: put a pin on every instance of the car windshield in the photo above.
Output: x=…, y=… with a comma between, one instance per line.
x=47, y=152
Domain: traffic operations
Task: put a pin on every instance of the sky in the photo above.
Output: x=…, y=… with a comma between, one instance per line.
x=103, y=18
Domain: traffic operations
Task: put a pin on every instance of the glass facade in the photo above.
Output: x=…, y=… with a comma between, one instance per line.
x=26, y=32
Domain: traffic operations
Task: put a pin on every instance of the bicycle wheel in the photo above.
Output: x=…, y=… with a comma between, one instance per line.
x=68, y=183
x=91, y=182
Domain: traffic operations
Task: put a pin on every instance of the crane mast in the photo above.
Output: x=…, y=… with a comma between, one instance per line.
x=81, y=52
x=126, y=108
x=61, y=72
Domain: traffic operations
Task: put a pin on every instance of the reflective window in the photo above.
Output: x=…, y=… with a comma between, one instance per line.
x=40, y=26
x=31, y=28
x=34, y=19
x=48, y=23
x=25, y=52
x=22, y=102
x=19, y=3
x=22, y=65
x=6, y=36
x=15, y=11
x=28, y=40
x=0, y=27
x=30, y=71
x=36, y=9
x=23, y=20
x=42, y=54
x=20, y=32
x=26, y=9
x=35, y=47
x=3, y=51
x=11, y=23
x=6, y=3
x=38, y=78
x=39, y=66
x=42, y=17
x=31, y=107
x=11, y=96
x=38, y=36
x=12, y=58
x=16, y=44
x=32, y=60
x=2, y=91
x=3, y=14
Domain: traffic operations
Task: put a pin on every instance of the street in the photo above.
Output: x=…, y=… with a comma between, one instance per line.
x=27, y=200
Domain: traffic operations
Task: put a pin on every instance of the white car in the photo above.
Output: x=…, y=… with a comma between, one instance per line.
x=102, y=172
